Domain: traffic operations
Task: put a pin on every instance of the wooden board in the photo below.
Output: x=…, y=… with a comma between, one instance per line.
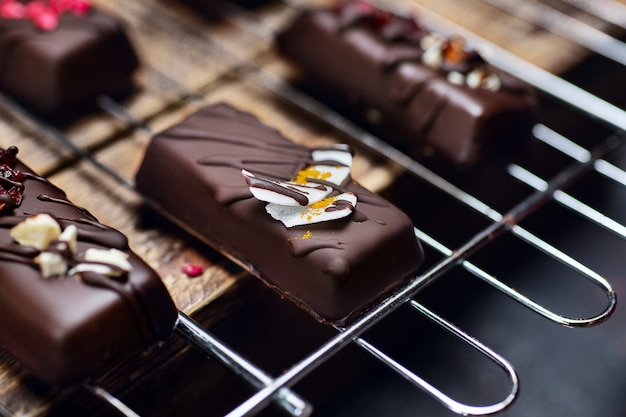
x=184, y=67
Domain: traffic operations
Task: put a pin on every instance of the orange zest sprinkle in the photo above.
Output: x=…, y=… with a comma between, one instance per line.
x=318, y=208
x=310, y=172
x=322, y=204
x=455, y=52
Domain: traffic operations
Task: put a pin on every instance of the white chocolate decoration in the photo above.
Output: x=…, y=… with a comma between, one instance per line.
x=101, y=269
x=285, y=193
x=304, y=199
x=339, y=153
x=112, y=256
x=336, y=173
x=332, y=208
x=333, y=174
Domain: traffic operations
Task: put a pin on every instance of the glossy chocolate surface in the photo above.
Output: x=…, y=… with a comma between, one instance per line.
x=65, y=328
x=61, y=72
x=334, y=269
x=371, y=61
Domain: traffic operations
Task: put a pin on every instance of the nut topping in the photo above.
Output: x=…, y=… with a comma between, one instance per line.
x=58, y=249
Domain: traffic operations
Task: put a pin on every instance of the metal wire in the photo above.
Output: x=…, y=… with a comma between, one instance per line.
x=568, y=201
x=557, y=22
x=447, y=401
x=556, y=87
x=323, y=113
x=277, y=389
x=611, y=11
x=5, y=413
x=578, y=153
x=185, y=326
x=110, y=399
x=202, y=340
x=282, y=89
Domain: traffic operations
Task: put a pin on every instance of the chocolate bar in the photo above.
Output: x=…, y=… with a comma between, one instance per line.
x=292, y=215
x=421, y=91
x=58, y=57
x=73, y=297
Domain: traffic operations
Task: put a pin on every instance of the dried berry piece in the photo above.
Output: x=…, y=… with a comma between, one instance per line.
x=454, y=50
x=12, y=10
x=11, y=181
x=44, y=14
x=192, y=270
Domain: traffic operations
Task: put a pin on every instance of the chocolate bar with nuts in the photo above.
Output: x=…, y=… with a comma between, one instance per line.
x=421, y=91
x=292, y=215
x=73, y=297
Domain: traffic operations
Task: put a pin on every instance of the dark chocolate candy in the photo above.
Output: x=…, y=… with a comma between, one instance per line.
x=59, y=73
x=65, y=328
x=373, y=61
x=334, y=270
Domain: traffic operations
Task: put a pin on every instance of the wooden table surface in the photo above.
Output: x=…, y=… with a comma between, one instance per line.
x=189, y=61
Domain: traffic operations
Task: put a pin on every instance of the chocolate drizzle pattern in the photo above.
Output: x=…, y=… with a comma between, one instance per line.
x=332, y=269
x=94, y=233
x=426, y=90
x=45, y=197
x=408, y=32
x=278, y=160
x=73, y=306
x=301, y=247
x=291, y=156
x=287, y=191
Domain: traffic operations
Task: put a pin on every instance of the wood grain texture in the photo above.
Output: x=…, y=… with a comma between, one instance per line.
x=184, y=67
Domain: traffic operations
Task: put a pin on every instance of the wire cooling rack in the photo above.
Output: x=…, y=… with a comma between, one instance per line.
x=584, y=160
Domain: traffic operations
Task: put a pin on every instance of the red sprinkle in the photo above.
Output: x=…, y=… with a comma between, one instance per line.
x=80, y=8
x=34, y=9
x=12, y=10
x=47, y=20
x=60, y=6
x=192, y=270
x=45, y=14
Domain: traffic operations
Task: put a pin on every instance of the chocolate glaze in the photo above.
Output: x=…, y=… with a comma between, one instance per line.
x=60, y=73
x=334, y=270
x=67, y=328
x=370, y=61
x=298, y=196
